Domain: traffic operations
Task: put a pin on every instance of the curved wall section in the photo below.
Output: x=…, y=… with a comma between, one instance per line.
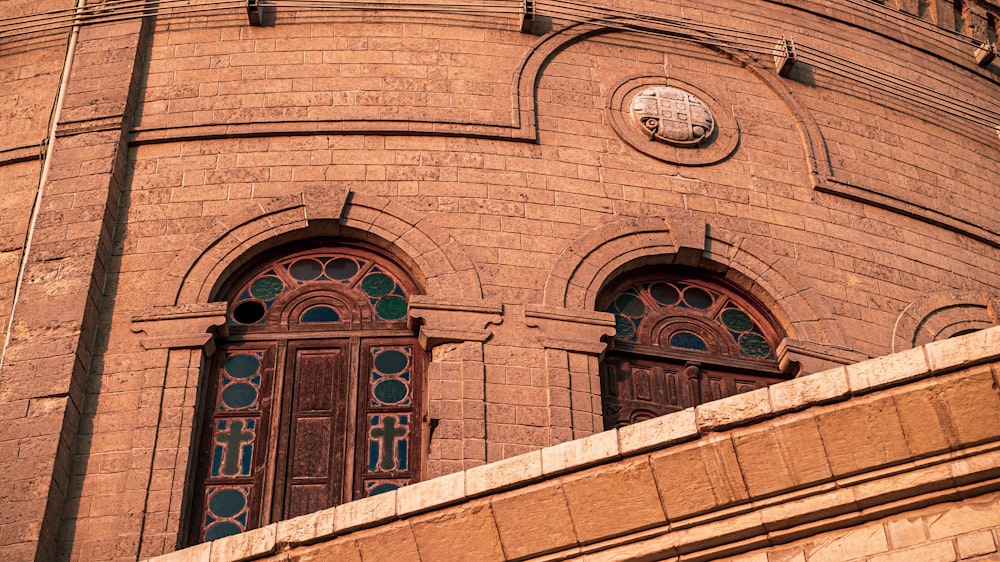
x=514, y=163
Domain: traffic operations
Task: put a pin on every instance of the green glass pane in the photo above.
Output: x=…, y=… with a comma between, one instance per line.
x=378, y=285
x=630, y=305
x=391, y=308
x=267, y=288
x=737, y=320
x=664, y=293
x=623, y=327
x=754, y=345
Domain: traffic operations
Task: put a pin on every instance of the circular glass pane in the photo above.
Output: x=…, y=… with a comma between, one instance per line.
x=736, y=320
x=227, y=503
x=341, y=269
x=390, y=391
x=239, y=395
x=249, y=312
x=242, y=366
x=378, y=285
x=391, y=361
x=697, y=298
x=630, y=305
x=223, y=529
x=267, y=288
x=754, y=345
x=391, y=308
x=320, y=314
x=664, y=293
x=306, y=270
x=687, y=340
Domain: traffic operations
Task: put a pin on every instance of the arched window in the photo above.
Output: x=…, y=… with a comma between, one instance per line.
x=682, y=339
x=314, y=399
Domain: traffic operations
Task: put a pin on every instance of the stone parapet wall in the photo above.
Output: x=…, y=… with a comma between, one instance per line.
x=893, y=454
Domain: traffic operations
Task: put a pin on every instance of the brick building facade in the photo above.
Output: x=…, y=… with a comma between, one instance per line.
x=553, y=255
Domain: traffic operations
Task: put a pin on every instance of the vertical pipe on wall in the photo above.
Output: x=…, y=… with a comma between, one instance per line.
x=50, y=143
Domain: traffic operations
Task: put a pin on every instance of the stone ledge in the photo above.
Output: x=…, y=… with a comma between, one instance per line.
x=962, y=466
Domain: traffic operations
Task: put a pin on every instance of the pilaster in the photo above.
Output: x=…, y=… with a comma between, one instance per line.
x=574, y=341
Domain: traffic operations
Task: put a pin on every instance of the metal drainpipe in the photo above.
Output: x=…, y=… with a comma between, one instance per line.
x=46, y=164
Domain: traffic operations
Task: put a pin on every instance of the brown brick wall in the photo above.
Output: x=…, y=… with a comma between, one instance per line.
x=487, y=161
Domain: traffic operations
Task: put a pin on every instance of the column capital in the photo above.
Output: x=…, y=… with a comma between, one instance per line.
x=443, y=320
x=188, y=326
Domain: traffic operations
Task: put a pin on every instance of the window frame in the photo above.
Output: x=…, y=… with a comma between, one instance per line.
x=281, y=334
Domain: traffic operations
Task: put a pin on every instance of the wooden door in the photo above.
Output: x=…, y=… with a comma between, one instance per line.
x=317, y=408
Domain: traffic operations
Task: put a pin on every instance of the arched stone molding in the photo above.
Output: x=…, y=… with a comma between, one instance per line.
x=939, y=315
x=439, y=264
x=182, y=328
x=814, y=341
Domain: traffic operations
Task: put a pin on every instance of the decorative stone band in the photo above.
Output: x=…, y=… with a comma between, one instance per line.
x=826, y=451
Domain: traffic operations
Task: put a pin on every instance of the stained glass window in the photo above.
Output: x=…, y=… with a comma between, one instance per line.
x=682, y=338
x=286, y=432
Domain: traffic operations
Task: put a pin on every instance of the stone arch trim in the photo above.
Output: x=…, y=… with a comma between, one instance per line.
x=942, y=314
x=438, y=263
x=594, y=259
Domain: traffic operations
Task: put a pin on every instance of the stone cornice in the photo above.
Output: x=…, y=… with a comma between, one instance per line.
x=190, y=326
x=582, y=331
x=443, y=320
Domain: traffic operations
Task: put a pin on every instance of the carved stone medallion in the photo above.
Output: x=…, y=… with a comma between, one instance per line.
x=673, y=120
x=672, y=115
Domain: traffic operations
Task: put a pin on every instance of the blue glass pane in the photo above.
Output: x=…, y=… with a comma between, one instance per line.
x=242, y=366
x=391, y=361
x=222, y=529
x=320, y=314
x=227, y=503
x=390, y=391
x=239, y=395
x=687, y=340
x=383, y=488
x=233, y=447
